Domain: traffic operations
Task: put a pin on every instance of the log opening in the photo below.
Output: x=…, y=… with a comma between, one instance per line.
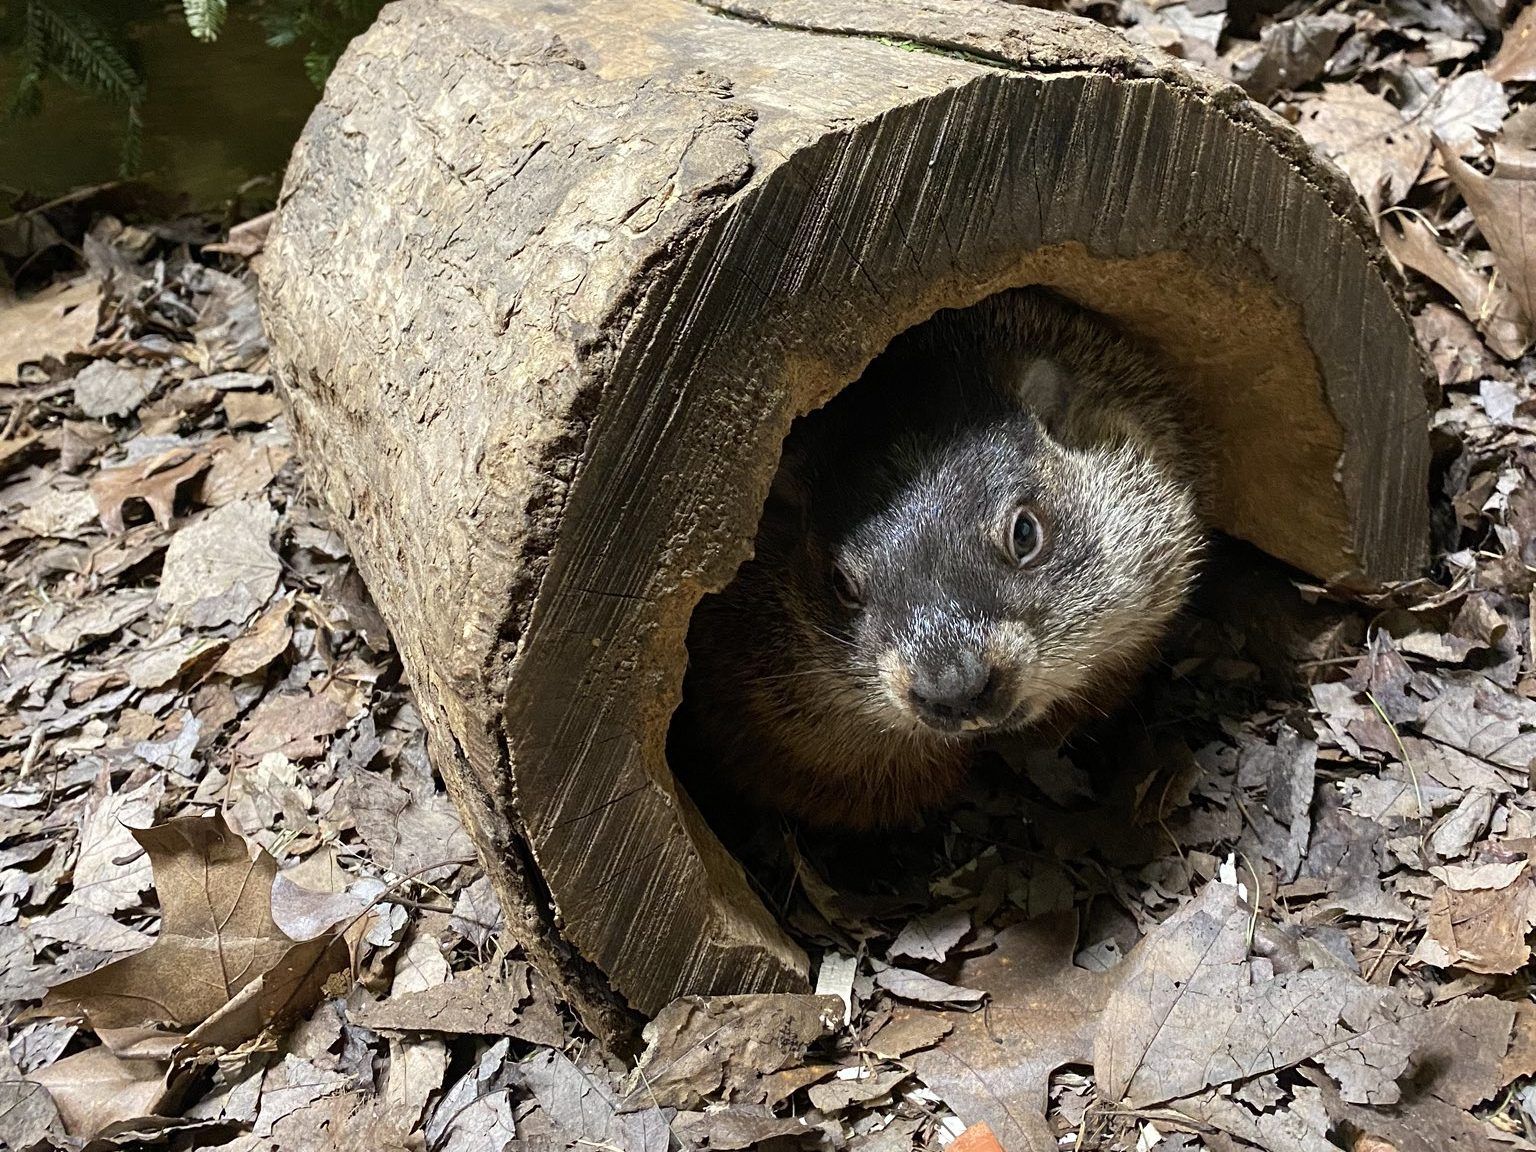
x=548, y=287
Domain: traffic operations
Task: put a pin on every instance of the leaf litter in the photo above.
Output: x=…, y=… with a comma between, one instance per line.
x=1296, y=917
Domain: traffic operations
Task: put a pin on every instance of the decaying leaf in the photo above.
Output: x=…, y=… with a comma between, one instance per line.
x=56, y=321
x=219, y=958
x=703, y=1047
x=1504, y=205
x=480, y=1002
x=154, y=480
x=1491, y=306
x=222, y=568
x=1516, y=59
x=1482, y=930
x=107, y=388
x=995, y=1066
x=1380, y=151
x=1189, y=1013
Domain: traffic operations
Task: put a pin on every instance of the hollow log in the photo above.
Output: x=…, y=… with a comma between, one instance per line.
x=550, y=281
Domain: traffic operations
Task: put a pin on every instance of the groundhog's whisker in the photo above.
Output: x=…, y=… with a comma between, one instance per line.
x=988, y=533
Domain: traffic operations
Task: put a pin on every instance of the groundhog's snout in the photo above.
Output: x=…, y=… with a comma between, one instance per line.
x=958, y=692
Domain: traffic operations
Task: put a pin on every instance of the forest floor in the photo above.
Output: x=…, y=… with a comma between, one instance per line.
x=1284, y=903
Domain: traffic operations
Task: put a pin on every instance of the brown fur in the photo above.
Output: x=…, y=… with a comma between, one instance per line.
x=796, y=701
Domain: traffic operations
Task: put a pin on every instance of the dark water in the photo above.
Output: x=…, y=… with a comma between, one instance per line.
x=217, y=116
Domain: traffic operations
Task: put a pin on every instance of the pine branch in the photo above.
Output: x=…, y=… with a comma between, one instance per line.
x=82, y=53
x=27, y=99
x=205, y=17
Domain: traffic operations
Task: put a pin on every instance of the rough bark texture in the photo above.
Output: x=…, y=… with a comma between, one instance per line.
x=550, y=281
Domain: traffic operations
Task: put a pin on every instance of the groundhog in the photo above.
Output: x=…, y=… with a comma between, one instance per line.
x=988, y=533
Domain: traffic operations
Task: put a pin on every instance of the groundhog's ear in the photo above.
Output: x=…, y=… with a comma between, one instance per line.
x=790, y=493
x=1043, y=386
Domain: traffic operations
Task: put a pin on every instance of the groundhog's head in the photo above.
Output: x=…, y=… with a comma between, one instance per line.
x=994, y=564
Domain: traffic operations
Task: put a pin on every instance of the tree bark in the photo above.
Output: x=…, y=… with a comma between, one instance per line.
x=550, y=281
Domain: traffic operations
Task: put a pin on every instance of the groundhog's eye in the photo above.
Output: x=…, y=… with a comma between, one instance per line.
x=1026, y=538
x=849, y=594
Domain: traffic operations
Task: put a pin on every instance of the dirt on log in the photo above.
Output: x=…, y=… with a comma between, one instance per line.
x=550, y=281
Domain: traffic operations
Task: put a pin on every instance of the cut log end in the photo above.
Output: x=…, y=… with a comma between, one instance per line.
x=547, y=289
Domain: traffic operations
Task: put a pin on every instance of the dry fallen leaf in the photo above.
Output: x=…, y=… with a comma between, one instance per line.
x=1465, y=111
x=28, y=1114
x=296, y=725
x=251, y=409
x=1190, y=1012
x=408, y=833
x=480, y=1002
x=911, y=1030
x=103, y=615
x=18, y=450
x=932, y=935
x=87, y=928
x=1380, y=151
x=731, y=1128
x=108, y=388
x=217, y=941
x=1289, y=54
x=110, y=871
x=1516, y=59
x=1456, y=1065
x=923, y=989
x=171, y=657
x=1481, y=930
x=263, y=642
x=95, y=1089
x=61, y=513
x=584, y=1111
x=976, y=1138
x=56, y=321
x=700, y=1048
x=222, y=568
x=1489, y=305
x=240, y=468
x=1504, y=205
x=995, y=1067
x=154, y=480
x=855, y=1086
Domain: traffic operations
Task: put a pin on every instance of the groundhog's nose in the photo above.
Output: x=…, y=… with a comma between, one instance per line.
x=950, y=693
